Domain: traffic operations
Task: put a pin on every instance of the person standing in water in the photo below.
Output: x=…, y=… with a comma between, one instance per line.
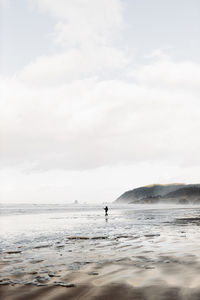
x=106, y=210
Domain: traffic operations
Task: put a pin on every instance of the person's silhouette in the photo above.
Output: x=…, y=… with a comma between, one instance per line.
x=106, y=210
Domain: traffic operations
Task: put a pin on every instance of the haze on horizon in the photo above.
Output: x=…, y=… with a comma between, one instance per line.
x=97, y=97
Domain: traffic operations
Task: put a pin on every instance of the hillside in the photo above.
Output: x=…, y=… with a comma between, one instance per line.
x=176, y=193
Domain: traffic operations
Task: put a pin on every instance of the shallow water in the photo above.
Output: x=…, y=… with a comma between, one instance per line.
x=44, y=238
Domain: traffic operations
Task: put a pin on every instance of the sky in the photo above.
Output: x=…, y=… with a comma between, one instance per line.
x=97, y=97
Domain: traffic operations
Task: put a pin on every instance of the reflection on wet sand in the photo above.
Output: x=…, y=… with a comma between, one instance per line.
x=188, y=221
x=149, y=253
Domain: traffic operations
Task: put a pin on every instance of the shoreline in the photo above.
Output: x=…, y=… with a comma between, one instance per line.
x=170, y=278
x=136, y=254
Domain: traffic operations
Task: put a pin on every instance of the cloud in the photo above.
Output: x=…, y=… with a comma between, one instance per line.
x=81, y=22
x=4, y=3
x=89, y=113
x=92, y=123
x=84, y=33
x=90, y=106
x=73, y=65
x=164, y=73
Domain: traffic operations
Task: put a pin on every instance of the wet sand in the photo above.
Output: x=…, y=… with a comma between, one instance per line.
x=169, y=277
x=145, y=254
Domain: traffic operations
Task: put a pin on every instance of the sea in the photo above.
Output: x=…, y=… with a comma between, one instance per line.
x=52, y=237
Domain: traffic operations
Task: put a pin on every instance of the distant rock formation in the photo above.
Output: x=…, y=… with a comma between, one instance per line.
x=158, y=193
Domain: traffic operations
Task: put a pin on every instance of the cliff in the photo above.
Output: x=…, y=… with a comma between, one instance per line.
x=157, y=193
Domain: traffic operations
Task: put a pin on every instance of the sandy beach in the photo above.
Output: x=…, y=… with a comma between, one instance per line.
x=148, y=252
x=169, y=279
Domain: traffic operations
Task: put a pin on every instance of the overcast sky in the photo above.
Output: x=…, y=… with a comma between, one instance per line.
x=97, y=97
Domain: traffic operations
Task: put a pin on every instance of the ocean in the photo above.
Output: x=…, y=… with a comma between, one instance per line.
x=47, y=238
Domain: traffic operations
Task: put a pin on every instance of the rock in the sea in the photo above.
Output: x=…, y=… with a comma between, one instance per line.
x=86, y=238
x=4, y=279
x=51, y=274
x=33, y=273
x=36, y=261
x=14, y=252
x=64, y=284
x=78, y=238
x=60, y=246
x=5, y=282
x=41, y=284
x=99, y=238
x=152, y=235
x=42, y=279
x=167, y=261
x=93, y=273
x=31, y=282
x=42, y=246
x=70, y=285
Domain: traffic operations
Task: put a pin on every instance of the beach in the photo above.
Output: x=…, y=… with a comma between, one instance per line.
x=74, y=252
